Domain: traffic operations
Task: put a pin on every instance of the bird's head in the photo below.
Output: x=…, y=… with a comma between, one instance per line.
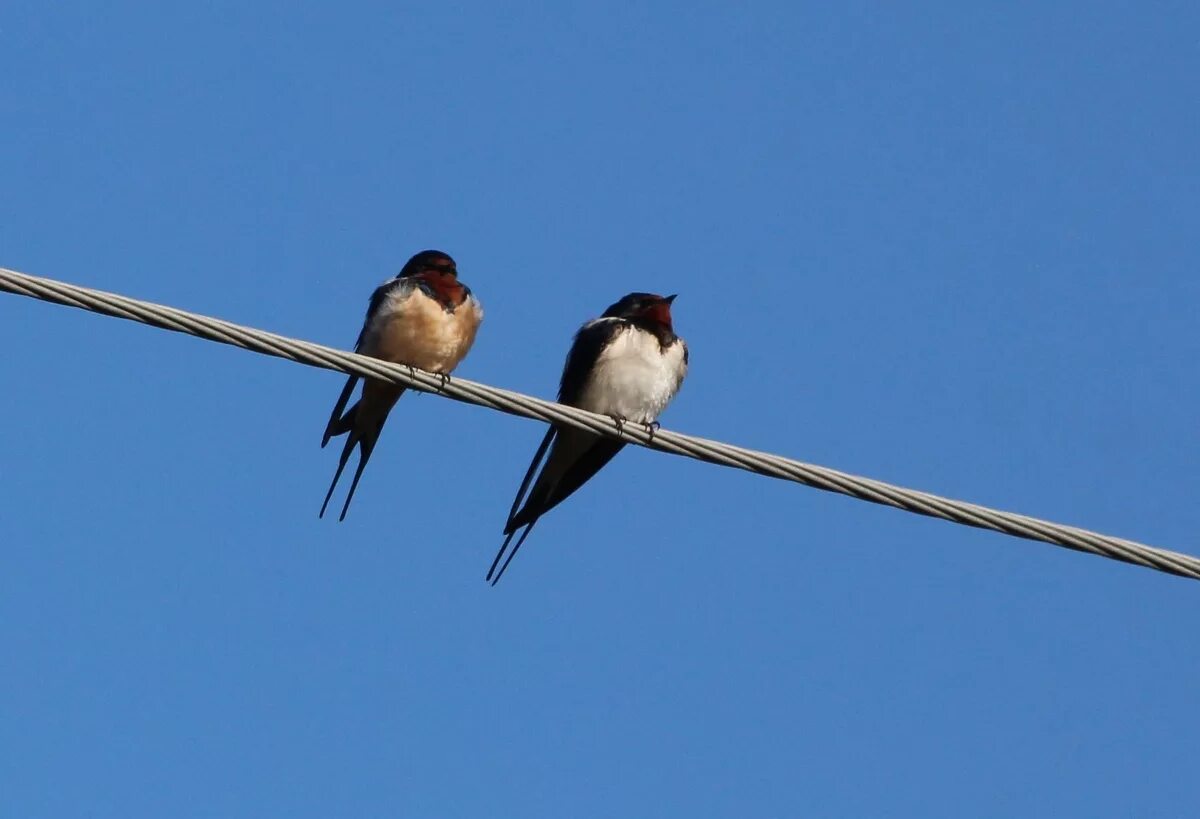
x=429, y=264
x=643, y=306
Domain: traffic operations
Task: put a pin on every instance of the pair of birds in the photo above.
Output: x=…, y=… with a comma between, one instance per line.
x=627, y=364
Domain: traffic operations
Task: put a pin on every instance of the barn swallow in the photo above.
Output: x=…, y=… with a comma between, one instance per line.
x=627, y=364
x=425, y=317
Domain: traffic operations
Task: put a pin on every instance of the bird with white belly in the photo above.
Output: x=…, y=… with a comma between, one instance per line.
x=627, y=364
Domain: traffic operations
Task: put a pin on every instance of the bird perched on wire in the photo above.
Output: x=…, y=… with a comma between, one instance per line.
x=425, y=317
x=627, y=364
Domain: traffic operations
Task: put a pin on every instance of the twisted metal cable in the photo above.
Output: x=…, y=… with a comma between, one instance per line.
x=513, y=403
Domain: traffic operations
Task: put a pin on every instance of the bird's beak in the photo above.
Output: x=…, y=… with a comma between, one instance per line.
x=670, y=298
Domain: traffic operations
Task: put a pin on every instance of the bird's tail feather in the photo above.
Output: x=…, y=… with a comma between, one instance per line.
x=364, y=423
x=351, y=440
x=509, y=526
x=338, y=423
x=342, y=425
x=368, y=446
x=511, y=555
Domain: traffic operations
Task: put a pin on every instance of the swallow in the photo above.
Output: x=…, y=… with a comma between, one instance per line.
x=627, y=364
x=425, y=317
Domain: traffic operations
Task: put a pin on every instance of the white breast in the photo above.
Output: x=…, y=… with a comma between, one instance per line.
x=634, y=377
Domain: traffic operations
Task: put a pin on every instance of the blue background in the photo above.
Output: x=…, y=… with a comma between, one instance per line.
x=948, y=245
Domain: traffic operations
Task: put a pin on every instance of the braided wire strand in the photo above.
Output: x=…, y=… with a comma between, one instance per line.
x=663, y=440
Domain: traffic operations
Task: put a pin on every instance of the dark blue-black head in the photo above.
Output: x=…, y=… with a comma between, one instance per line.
x=428, y=261
x=642, y=306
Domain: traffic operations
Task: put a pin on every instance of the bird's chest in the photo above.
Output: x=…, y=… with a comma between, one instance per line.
x=415, y=329
x=634, y=377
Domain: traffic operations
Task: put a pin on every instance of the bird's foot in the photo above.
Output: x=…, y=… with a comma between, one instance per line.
x=620, y=421
x=651, y=428
x=412, y=373
x=445, y=379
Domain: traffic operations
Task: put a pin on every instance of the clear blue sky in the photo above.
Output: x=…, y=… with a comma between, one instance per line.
x=949, y=245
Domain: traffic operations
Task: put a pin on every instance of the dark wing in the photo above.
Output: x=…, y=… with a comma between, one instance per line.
x=682, y=370
x=377, y=298
x=533, y=465
x=342, y=421
x=365, y=440
x=574, y=458
x=339, y=423
x=575, y=455
x=591, y=339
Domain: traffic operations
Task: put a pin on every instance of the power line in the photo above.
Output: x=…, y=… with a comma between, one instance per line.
x=514, y=403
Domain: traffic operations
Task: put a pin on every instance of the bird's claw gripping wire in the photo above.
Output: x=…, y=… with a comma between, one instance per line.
x=620, y=421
